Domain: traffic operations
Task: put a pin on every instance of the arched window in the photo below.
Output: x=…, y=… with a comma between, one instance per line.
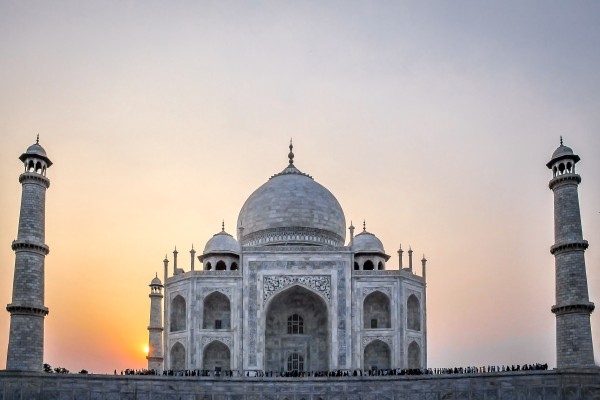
x=295, y=363
x=376, y=311
x=178, y=314
x=234, y=266
x=208, y=266
x=220, y=266
x=414, y=356
x=356, y=267
x=413, y=313
x=177, y=357
x=295, y=325
x=380, y=266
x=217, y=311
x=368, y=265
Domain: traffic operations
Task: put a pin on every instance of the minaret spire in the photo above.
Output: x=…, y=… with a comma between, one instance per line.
x=291, y=153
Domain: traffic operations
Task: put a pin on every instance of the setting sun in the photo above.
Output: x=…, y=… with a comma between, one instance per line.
x=146, y=349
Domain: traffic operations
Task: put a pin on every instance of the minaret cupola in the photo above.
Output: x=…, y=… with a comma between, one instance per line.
x=35, y=158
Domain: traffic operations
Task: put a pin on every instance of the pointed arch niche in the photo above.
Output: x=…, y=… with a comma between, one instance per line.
x=376, y=311
x=217, y=311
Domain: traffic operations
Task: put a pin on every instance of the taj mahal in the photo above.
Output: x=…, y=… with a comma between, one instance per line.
x=292, y=293
x=296, y=291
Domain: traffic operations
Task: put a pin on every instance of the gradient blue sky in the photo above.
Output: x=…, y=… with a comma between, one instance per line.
x=431, y=120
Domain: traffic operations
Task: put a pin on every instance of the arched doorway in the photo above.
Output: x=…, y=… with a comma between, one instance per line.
x=377, y=355
x=217, y=357
x=297, y=326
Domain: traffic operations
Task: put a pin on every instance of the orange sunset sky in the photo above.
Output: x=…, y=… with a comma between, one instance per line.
x=432, y=121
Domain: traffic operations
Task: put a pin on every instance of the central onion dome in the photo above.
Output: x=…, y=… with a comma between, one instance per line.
x=291, y=209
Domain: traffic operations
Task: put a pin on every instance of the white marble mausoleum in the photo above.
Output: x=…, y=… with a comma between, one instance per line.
x=291, y=293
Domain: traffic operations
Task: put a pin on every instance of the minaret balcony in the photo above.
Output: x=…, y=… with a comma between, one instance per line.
x=23, y=245
x=569, y=246
x=582, y=308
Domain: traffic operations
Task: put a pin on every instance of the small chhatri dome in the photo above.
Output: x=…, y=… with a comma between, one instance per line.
x=366, y=242
x=156, y=281
x=35, y=150
x=561, y=153
x=221, y=243
x=292, y=209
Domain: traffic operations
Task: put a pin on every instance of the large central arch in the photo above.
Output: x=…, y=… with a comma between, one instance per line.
x=297, y=323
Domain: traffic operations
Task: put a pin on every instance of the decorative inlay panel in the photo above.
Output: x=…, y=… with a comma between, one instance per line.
x=366, y=340
x=227, y=291
x=209, y=339
x=276, y=283
x=368, y=290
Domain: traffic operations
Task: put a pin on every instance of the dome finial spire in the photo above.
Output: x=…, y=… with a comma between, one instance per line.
x=291, y=154
x=37, y=140
x=223, y=226
x=561, y=142
x=364, y=225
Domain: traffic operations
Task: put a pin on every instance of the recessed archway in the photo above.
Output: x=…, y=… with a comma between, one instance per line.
x=377, y=355
x=217, y=311
x=177, y=356
x=178, y=314
x=217, y=357
x=376, y=311
x=294, y=304
x=414, y=356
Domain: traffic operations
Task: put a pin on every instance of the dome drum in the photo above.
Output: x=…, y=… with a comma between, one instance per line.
x=292, y=236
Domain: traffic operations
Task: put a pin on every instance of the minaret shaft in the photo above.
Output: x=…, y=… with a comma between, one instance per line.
x=27, y=310
x=574, y=348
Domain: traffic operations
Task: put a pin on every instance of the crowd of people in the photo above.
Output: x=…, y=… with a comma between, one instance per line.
x=339, y=372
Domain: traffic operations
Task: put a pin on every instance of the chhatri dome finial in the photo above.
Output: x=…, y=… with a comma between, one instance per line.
x=561, y=143
x=364, y=225
x=291, y=154
x=37, y=140
x=223, y=226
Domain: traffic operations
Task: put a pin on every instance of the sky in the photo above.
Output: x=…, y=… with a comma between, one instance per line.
x=431, y=120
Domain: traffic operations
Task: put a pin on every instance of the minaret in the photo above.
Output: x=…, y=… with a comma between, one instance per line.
x=27, y=310
x=155, y=329
x=573, y=308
